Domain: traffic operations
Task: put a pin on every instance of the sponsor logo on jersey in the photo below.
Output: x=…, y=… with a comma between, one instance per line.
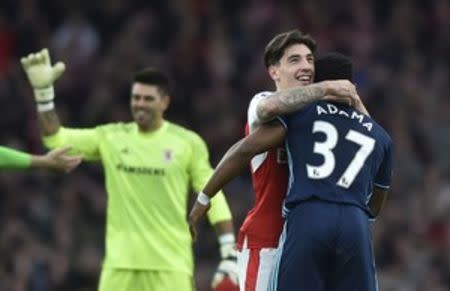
x=141, y=170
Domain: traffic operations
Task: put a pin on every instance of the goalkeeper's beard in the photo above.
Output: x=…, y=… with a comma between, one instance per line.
x=145, y=120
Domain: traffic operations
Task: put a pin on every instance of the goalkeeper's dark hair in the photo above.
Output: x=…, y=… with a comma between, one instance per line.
x=154, y=77
x=333, y=66
x=275, y=49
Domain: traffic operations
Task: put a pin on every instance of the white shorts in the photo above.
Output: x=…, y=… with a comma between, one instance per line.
x=255, y=267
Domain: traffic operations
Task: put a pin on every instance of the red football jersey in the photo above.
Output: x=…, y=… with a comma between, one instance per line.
x=264, y=222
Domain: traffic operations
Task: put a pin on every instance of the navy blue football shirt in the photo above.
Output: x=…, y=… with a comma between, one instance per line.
x=336, y=154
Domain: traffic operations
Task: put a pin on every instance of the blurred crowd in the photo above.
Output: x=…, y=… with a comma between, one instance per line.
x=52, y=226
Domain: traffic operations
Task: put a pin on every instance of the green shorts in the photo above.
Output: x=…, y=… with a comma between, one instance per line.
x=144, y=280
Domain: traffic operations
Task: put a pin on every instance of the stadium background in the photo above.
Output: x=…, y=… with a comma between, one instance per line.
x=52, y=226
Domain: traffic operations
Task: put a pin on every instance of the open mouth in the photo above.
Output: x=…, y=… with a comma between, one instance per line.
x=305, y=79
x=140, y=114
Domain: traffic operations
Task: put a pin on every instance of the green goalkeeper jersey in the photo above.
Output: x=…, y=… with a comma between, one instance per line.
x=148, y=178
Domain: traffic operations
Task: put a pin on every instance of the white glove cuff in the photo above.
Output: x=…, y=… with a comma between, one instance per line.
x=227, y=246
x=227, y=238
x=203, y=199
x=44, y=94
x=45, y=106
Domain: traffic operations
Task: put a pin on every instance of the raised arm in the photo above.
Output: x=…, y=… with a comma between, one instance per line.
x=293, y=99
x=41, y=75
x=48, y=122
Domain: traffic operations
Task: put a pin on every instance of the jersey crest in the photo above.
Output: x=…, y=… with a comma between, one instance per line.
x=168, y=155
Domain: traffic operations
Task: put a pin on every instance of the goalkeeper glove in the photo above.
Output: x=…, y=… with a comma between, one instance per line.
x=41, y=75
x=226, y=276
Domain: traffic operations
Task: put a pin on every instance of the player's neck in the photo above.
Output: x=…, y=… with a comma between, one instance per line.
x=280, y=87
x=154, y=126
x=277, y=87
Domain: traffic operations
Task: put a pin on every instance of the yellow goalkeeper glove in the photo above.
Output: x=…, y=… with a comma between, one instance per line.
x=41, y=75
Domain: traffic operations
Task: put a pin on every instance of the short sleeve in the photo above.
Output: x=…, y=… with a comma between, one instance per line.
x=84, y=141
x=384, y=174
x=252, y=116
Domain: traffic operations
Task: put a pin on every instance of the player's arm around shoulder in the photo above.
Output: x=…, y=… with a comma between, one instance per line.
x=290, y=100
x=236, y=159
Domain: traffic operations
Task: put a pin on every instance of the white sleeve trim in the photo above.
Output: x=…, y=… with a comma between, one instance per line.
x=257, y=161
x=382, y=186
x=252, y=116
x=253, y=122
x=282, y=122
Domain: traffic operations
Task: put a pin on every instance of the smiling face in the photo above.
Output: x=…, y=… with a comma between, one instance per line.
x=295, y=68
x=148, y=104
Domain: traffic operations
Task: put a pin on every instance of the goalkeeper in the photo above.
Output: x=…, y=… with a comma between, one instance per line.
x=150, y=167
x=56, y=159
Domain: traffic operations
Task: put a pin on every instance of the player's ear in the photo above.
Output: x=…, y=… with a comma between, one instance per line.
x=165, y=102
x=273, y=72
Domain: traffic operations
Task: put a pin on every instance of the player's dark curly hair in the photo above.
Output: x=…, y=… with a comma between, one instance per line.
x=275, y=49
x=154, y=77
x=333, y=66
